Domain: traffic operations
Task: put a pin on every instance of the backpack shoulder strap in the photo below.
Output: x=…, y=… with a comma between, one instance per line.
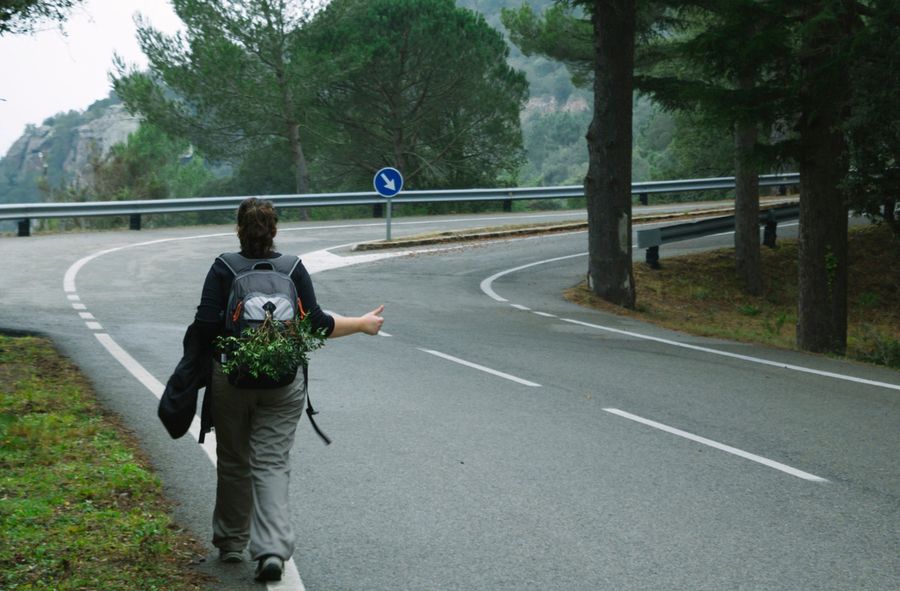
x=310, y=411
x=285, y=263
x=235, y=262
x=238, y=263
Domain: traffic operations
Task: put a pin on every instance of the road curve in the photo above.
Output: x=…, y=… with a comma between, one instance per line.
x=498, y=437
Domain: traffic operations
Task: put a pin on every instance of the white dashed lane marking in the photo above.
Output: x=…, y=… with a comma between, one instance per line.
x=720, y=446
x=488, y=370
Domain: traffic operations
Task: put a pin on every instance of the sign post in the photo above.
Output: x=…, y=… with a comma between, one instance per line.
x=388, y=182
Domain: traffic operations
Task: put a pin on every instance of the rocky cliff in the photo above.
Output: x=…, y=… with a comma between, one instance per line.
x=59, y=151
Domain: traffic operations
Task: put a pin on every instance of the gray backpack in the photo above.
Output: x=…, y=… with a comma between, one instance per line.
x=260, y=286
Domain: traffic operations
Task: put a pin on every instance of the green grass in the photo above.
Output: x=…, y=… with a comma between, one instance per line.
x=701, y=294
x=79, y=508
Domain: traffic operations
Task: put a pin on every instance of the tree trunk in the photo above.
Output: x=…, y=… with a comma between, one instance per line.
x=608, y=181
x=822, y=289
x=890, y=217
x=746, y=207
x=301, y=171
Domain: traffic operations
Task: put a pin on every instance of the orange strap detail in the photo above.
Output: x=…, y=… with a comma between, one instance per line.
x=237, y=312
x=300, y=307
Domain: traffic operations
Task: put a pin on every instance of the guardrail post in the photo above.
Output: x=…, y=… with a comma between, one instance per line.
x=378, y=210
x=769, y=230
x=507, y=205
x=25, y=227
x=652, y=257
x=644, y=199
x=134, y=221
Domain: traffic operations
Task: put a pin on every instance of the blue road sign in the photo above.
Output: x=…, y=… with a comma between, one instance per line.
x=388, y=181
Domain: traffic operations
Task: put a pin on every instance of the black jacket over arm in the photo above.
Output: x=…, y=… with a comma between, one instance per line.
x=178, y=404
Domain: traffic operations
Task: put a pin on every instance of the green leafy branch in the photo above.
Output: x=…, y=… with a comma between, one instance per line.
x=273, y=348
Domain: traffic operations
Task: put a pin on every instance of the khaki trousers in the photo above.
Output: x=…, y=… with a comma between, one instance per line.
x=254, y=436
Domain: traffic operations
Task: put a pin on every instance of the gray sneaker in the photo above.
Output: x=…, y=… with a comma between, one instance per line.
x=269, y=568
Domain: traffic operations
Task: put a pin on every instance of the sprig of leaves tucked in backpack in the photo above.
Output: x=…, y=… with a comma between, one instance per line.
x=273, y=348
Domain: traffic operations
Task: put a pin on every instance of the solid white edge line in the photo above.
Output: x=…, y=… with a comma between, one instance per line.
x=480, y=367
x=720, y=446
x=209, y=443
x=487, y=289
x=71, y=272
x=761, y=361
x=291, y=580
x=486, y=284
x=131, y=364
x=291, y=576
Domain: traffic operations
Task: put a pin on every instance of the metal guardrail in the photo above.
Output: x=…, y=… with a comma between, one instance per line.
x=651, y=239
x=24, y=212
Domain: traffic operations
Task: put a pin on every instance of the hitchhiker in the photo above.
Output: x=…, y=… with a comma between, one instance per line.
x=255, y=426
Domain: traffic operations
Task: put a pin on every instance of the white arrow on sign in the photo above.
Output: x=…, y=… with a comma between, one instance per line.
x=388, y=182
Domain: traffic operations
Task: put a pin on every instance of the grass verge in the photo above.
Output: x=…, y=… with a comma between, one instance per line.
x=79, y=507
x=701, y=294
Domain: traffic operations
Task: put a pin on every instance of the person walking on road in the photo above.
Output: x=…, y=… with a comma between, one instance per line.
x=254, y=426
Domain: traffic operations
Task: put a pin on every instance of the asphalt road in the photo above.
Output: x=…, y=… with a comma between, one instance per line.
x=497, y=437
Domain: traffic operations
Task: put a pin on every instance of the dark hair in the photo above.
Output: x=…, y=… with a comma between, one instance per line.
x=256, y=221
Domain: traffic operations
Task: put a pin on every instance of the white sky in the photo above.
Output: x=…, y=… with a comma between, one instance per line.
x=49, y=72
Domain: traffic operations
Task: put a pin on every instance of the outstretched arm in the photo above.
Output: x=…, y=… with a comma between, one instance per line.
x=368, y=323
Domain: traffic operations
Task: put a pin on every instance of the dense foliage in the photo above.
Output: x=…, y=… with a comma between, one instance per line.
x=150, y=165
x=26, y=16
x=423, y=86
x=667, y=144
x=234, y=82
x=553, y=124
x=873, y=127
x=806, y=77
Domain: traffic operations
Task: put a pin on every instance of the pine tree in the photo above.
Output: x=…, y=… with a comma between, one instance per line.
x=722, y=60
x=234, y=82
x=825, y=35
x=424, y=87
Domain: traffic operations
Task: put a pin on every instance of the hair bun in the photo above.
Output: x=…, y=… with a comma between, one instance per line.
x=256, y=221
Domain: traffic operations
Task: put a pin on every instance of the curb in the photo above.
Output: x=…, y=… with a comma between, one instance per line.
x=463, y=236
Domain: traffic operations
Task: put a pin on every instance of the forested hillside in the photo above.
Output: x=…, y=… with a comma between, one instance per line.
x=58, y=158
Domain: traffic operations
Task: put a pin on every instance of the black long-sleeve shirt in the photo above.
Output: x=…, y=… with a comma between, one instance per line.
x=214, y=299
